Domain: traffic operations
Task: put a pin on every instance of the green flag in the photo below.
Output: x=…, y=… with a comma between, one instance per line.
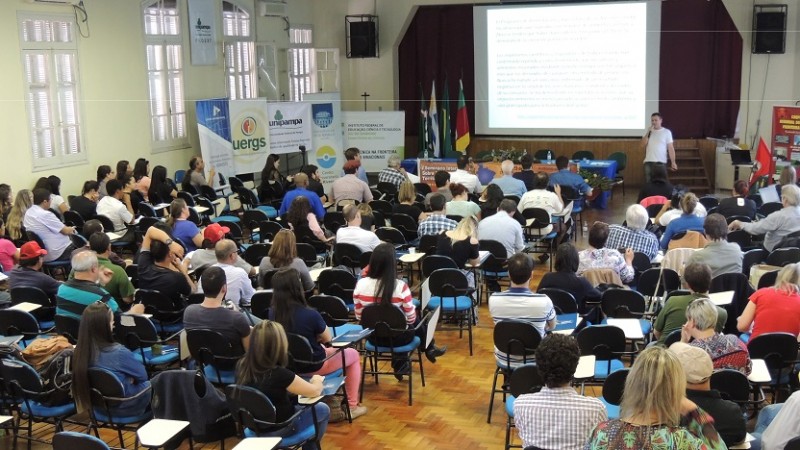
x=446, y=126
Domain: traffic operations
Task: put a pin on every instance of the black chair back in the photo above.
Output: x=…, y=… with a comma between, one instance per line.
x=778, y=350
x=427, y=244
x=36, y=296
x=563, y=301
x=250, y=408
x=15, y=322
x=108, y=225
x=768, y=279
x=337, y=282
x=605, y=342
x=383, y=206
x=260, y=303
x=623, y=303
x=301, y=356
x=392, y=236
x=347, y=255
x=163, y=308
x=739, y=283
x=614, y=386
x=69, y=440
x=332, y=309
x=525, y=380
x=709, y=201
x=267, y=229
x=74, y=218
x=516, y=338
x=432, y=263
x=448, y=283
x=333, y=221
x=769, y=208
x=783, y=256
x=67, y=326
x=209, y=347
x=649, y=279
x=389, y=324
x=732, y=385
x=307, y=253
x=497, y=261
x=422, y=188
x=255, y=253
x=583, y=154
x=752, y=257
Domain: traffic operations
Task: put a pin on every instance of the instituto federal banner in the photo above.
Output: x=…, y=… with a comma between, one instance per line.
x=327, y=152
x=378, y=134
x=289, y=127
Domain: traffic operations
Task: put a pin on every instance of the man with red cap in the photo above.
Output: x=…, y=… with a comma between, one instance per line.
x=205, y=256
x=29, y=271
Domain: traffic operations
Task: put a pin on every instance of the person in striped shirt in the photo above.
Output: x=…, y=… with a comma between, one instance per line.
x=379, y=284
x=519, y=303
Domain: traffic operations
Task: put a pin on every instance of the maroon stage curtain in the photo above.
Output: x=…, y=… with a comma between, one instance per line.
x=701, y=69
x=699, y=76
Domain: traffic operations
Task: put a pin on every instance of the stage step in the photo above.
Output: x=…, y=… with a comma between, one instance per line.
x=691, y=172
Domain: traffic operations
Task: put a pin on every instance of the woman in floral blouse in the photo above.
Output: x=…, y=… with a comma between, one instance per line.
x=655, y=414
x=598, y=257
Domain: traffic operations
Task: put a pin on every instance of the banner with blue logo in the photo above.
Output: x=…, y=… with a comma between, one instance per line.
x=213, y=129
x=327, y=152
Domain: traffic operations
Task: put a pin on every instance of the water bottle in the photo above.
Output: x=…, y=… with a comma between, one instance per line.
x=549, y=155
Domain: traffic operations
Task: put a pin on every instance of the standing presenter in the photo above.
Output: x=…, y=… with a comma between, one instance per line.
x=657, y=143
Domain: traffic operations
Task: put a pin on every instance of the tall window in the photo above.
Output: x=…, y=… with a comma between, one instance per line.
x=301, y=53
x=165, y=74
x=239, y=52
x=310, y=69
x=52, y=90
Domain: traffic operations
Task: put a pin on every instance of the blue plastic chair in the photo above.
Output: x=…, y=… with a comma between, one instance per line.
x=71, y=440
x=450, y=290
x=107, y=395
x=140, y=336
x=606, y=343
x=215, y=354
x=524, y=380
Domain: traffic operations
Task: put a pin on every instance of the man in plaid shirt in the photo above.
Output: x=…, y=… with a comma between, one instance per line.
x=557, y=416
x=635, y=234
x=393, y=174
x=436, y=221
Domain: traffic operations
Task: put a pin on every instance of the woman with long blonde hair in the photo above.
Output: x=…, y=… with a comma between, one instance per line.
x=263, y=368
x=655, y=412
x=774, y=309
x=461, y=244
x=22, y=202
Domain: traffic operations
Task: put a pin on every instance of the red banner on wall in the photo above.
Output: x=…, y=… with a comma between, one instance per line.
x=786, y=132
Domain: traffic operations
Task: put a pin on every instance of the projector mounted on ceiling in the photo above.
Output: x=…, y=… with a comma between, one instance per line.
x=56, y=2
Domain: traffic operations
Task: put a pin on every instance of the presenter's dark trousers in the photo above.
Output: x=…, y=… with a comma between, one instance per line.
x=648, y=169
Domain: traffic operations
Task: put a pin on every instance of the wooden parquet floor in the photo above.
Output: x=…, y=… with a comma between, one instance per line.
x=448, y=413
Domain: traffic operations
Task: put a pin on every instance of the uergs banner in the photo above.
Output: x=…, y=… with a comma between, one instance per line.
x=327, y=152
x=289, y=127
x=377, y=134
x=250, y=135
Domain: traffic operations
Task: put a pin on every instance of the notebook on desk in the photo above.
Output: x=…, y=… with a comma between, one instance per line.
x=351, y=336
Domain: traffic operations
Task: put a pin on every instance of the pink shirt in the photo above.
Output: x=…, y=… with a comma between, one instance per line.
x=7, y=252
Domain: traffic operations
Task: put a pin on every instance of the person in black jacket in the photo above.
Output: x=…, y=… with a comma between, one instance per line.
x=658, y=185
x=739, y=204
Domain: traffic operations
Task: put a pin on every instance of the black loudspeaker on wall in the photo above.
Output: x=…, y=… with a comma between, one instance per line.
x=363, y=42
x=769, y=31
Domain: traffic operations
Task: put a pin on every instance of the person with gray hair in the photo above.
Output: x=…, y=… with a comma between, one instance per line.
x=633, y=234
x=393, y=173
x=779, y=224
x=774, y=309
x=507, y=183
x=719, y=254
x=76, y=294
x=726, y=350
x=240, y=289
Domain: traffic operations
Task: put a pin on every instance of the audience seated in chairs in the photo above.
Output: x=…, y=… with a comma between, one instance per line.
x=690, y=219
x=464, y=177
x=96, y=349
x=502, y=227
x=779, y=224
x=206, y=256
x=697, y=366
x=774, y=309
x=461, y=245
x=393, y=173
x=654, y=409
x=29, y=271
x=673, y=316
x=160, y=266
x=738, y=204
x=350, y=187
x=213, y=314
x=116, y=205
x=518, y=302
x=437, y=221
x=353, y=233
x=726, y=350
x=91, y=227
x=719, y=254
x=540, y=197
x=442, y=180
x=777, y=427
x=634, y=233
x=460, y=205
x=557, y=416
x=86, y=203
x=240, y=288
x=182, y=228
x=599, y=257
x=658, y=185
x=118, y=285
x=83, y=290
x=282, y=254
x=566, y=177
x=379, y=285
x=565, y=277
x=301, y=190
x=263, y=368
x=406, y=196
x=507, y=183
x=292, y=312
x=303, y=220
x=54, y=234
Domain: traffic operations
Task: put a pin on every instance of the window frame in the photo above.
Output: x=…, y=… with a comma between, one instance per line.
x=236, y=42
x=50, y=50
x=163, y=42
